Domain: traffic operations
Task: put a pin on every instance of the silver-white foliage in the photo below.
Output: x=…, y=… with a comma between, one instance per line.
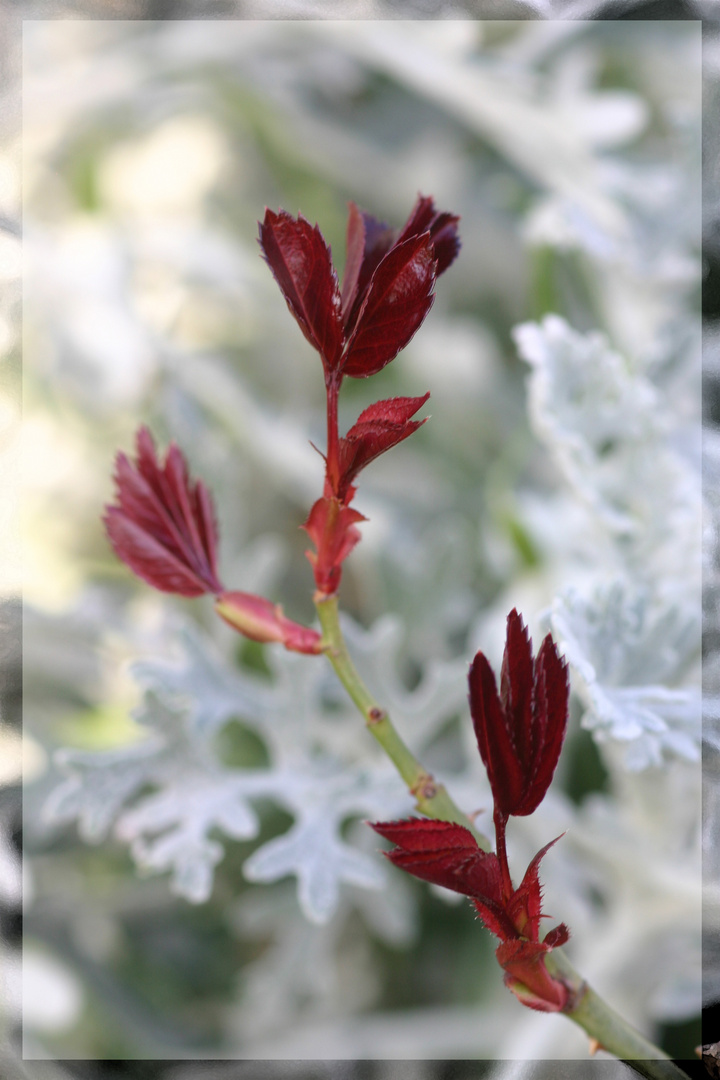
x=322, y=768
x=609, y=432
x=605, y=427
x=624, y=650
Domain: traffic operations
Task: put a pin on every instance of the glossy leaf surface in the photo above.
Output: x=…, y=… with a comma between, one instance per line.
x=300, y=262
x=377, y=429
x=398, y=298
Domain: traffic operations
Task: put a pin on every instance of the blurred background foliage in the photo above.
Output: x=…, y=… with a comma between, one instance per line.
x=150, y=151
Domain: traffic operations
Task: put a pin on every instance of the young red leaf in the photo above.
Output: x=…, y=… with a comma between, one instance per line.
x=528, y=977
x=163, y=527
x=494, y=918
x=377, y=429
x=398, y=298
x=441, y=226
x=332, y=528
x=301, y=264
x=558, y=936
x=525, y=906
x=521, y=731
x=494, y=738
x=550, y=712
x=368, y=241
x=443, y=853
x=516, y=686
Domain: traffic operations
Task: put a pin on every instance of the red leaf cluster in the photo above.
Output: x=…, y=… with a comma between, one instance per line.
x=163, y=526
x=387, y=290
x=446, y=854
x=387, y=287
x=520, y=733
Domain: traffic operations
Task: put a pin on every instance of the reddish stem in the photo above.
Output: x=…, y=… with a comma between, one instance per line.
x=500, y=821
x=332, y=388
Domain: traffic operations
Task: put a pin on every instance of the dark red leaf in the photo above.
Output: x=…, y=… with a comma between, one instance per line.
x=301, y=264
x=526, y=902
x=368, y=241
x=551, y=691
x=495, y=918
x=443, y=853
x=441, y=226
x=398, y=298
x=516, y=687
x=164, y=526
x=446, y=854
x=494, y=737
x=445, y=240
x=377, y=429
x=396, y=410
x=520, y=733
x=148, y=558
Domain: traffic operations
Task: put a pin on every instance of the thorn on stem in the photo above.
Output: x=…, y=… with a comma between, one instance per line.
x=375, y=715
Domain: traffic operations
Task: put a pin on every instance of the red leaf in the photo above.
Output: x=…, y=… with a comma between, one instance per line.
x=394, y=411
x=332, y=528
x=148, y=558
x=520, y=733
x=441, y=226
x=494, y=738
x=377, y=429
x=525, y=905
x=528, y=978
x=551, y=691
x=368, y=241
x=443, y=853
x=516, y=687
x=163, y=526
x=495, y=919
x=301, y=264
x=556, y=937
x=398, y=298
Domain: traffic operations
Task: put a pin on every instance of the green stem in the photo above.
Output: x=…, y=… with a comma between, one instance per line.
x=608, y=1029
x=431, y=798
x=602, y=1024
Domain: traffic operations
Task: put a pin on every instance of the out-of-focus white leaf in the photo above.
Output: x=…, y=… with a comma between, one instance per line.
x=313, y=851
x=623, y=649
